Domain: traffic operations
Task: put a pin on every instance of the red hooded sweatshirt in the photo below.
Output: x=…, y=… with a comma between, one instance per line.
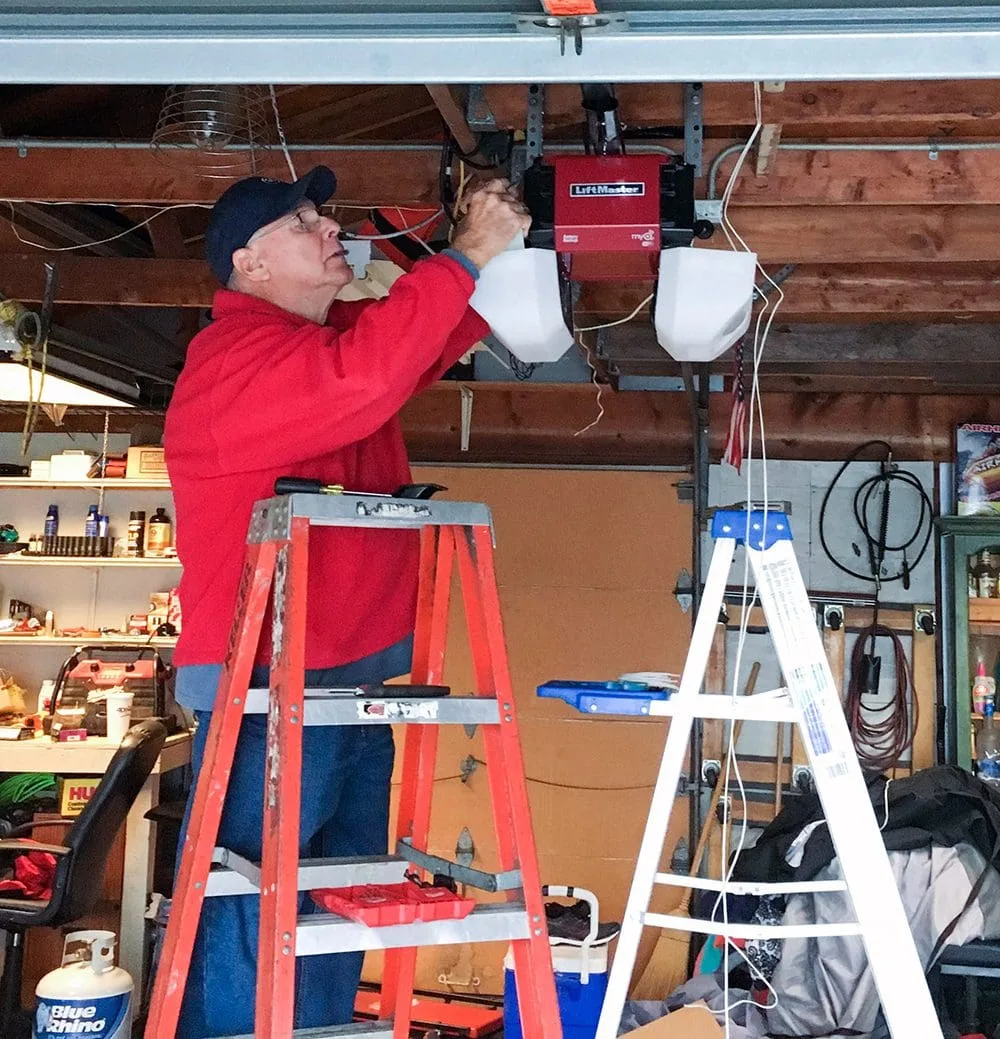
x=265, y=393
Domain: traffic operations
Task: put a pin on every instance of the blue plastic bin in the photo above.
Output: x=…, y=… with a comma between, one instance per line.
x=579, y=1002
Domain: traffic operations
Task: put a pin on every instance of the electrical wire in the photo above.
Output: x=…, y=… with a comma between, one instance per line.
x=589, y=361
x=877, y=544
x=599, y=385
x=620, y=321
x=402, y=232
x=100, y=241
x=882, y=732
x=762, y=328
x=281, y=132
x=466, y=156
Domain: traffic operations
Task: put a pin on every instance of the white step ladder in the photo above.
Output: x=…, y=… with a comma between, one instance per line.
x=812, y=702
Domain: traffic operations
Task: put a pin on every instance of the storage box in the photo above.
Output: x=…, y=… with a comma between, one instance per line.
x=145, y=463
x=977, y=469
x=74, y=795
x=70, y=465
x=383, y=905
x=693, y=1022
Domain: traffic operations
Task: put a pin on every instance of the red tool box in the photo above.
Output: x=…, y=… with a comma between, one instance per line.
x=380, y=905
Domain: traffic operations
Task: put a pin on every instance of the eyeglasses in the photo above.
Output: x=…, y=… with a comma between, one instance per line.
x=304, y=221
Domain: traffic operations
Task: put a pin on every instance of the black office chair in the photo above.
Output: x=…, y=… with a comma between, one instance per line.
x=80, y=862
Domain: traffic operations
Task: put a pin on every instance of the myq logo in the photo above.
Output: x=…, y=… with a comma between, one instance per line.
x=608, y=189
x=646, y=237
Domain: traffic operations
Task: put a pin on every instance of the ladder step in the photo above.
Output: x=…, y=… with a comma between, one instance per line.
x=670, y=922
x=271, y=518
x=353, y=707
x=358, y=1030
x=321, y=933
x=773, y=706
x=739, y=887
x=236, y=875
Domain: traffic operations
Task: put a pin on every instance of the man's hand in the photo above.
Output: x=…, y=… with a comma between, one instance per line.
x=493, y=216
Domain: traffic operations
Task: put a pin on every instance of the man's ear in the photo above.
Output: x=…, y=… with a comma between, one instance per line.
x=248, y=265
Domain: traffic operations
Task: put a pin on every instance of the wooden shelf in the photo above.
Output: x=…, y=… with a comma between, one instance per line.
x=87, y=561
x=103, y=640
x=984, y=611
x=26, y=483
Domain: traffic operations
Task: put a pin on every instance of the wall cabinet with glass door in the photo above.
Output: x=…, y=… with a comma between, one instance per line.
x=970, y=594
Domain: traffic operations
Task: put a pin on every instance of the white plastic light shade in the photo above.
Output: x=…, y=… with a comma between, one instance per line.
x=517, y=294
x=703, y=301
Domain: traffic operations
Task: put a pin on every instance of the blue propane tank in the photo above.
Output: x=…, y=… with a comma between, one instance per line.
x=581, y=982
x=87, y=995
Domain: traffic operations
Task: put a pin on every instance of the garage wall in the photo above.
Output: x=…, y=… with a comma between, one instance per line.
x=587, y=563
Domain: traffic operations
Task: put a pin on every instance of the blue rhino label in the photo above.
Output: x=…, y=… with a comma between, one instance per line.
x=104, y=1017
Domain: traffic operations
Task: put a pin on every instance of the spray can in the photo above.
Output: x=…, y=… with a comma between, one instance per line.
x=87, y=994
x=52, y=521
x=136, y=534
x=90, y=524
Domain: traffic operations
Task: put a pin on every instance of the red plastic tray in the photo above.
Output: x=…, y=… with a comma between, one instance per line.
x=382, y=905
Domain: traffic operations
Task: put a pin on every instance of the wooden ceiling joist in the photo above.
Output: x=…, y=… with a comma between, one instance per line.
x=535, y=424
x=371, y=175
x=821, y=292
x=365, y=176
x=848, y=292
x=940, y=109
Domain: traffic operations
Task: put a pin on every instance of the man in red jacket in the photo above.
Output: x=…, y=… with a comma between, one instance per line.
x=287, y=380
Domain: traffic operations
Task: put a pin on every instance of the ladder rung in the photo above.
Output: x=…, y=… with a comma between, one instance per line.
x=668, y=921
x=317, y=934
x=773, y=706
x=358, y=1030
x=237, y=875
x=740, y=887
x=338, y=707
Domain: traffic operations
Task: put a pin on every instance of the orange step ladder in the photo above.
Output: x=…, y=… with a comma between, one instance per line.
x=277, y=561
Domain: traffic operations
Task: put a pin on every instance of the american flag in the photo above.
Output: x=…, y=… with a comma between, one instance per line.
x=736, y=442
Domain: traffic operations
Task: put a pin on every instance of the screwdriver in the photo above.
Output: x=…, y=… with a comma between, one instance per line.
x=301, y=485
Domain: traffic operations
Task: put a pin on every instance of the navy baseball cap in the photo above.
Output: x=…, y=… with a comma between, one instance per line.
x=248, y=205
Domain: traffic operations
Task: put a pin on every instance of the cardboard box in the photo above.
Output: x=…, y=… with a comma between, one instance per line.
x=693, y=1022
x=74, y=795
x=977, y=469
x=145, y=463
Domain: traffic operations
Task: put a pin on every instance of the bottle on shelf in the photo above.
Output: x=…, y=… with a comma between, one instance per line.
x=158, y=533
x=90, y=524
x=983, y=689
x=988, y=576
x=135, y=544
x=988, y=749
x=52, y=521
x=974, y=563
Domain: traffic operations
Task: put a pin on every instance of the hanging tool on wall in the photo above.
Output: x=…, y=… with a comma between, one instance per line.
x=882, y=732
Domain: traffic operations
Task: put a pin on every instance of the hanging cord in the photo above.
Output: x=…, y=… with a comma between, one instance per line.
x=878, y=546
x=882, y=742
x=882, y=732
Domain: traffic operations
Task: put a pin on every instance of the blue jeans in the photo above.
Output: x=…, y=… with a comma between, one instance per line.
x=346, y=772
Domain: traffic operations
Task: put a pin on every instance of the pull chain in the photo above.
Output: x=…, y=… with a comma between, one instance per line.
x=104, y=466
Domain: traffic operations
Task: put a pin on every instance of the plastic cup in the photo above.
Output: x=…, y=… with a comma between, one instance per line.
x=119, y=703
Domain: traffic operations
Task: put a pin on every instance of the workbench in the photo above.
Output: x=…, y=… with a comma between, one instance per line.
x=92, y=757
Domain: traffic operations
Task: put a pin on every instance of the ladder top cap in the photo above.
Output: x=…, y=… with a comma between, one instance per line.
x=757, y=528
